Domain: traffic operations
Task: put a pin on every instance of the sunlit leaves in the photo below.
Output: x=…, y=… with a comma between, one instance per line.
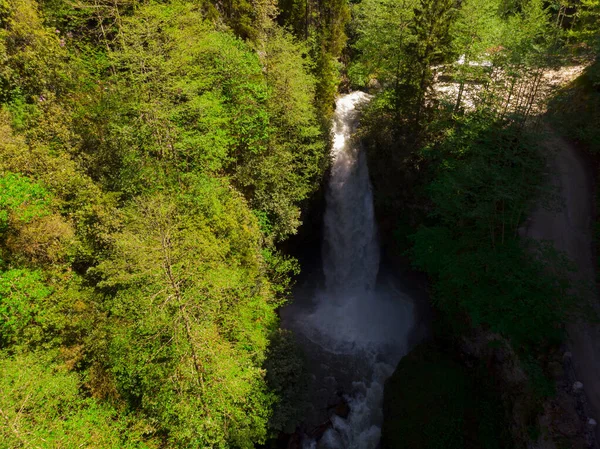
x=135, y=144
x=41, y=407
x=21, y=200
x=22, y=294
x=191, y=316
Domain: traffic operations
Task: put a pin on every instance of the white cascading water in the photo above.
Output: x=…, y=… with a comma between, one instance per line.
x=350, y=249
x=353, y=316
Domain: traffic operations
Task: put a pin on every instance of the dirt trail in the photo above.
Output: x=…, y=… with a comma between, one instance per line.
x=571, y=231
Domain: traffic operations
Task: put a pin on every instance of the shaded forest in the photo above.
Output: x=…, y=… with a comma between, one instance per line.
x=155, y=156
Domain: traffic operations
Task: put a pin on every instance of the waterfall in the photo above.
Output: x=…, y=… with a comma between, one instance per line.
x=356, y=327
x=350, y=249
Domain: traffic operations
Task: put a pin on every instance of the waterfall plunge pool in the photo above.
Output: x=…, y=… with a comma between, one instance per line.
x=352, y=317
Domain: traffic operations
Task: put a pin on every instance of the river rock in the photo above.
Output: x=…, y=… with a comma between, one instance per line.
x=556, y=370
x=342, y=410
x=318, y=432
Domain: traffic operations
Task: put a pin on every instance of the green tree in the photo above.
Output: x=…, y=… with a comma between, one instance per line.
x=321, y=24
x=30, y=53
x=191, y=315
x=195, y=100
x=528, y=43
x=21, y=200
x=484, y=182
x=475, y=33
x=22, y=301
x=41, y=407
x=430, y=46
x=287, y=377
x=586, y=26
x=382, y=31
x=150, y=159
x=288, y=171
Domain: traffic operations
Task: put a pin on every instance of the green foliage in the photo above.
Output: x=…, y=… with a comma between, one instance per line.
x=484, y=182
x=30, y=54
x=150, y=161
x=501, y=288
x=248, y=19
x=476, y=31
x=74, y=195
x=41, y=407
x=321, y=24
x=22, y=295
x=528, y=35
x=487, y=175
x=429, y=46
x=289, y=169
x=152, y=154
x=21, y=200
x=195, y=100
x=281, y=269
x=576, y=109
x=457, y=87
x=435, y=62
x=287, y=378
x=399, y=45
x=586, y=28
x=382, y=32
x=198, y=94
x=474, y=169
x=478, y=27
x=190, y=317
x=403, y=49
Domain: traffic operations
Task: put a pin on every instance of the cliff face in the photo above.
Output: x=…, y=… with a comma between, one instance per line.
x=434, y=399
x=477, y=394
x=549, y=400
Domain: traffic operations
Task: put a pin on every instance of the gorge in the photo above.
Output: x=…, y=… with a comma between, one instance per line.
x=355, y=325
x=207, y=242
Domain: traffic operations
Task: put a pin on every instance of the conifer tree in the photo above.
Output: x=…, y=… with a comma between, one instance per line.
x=430, y=47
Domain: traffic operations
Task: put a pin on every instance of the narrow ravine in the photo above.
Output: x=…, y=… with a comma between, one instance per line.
x=355, y=325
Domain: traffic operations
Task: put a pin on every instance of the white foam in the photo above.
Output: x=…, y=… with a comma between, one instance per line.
x=353, y=316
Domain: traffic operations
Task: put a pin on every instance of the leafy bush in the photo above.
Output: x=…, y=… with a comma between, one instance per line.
x=40, y=406
x=21, y=200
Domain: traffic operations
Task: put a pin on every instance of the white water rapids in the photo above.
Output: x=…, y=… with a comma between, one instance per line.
x=356, y=320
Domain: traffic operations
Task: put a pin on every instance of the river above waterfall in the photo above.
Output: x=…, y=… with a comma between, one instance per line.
x=352, y=317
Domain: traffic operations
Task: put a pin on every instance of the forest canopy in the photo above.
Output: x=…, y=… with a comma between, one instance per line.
x=151, y=156
x=155, y=156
